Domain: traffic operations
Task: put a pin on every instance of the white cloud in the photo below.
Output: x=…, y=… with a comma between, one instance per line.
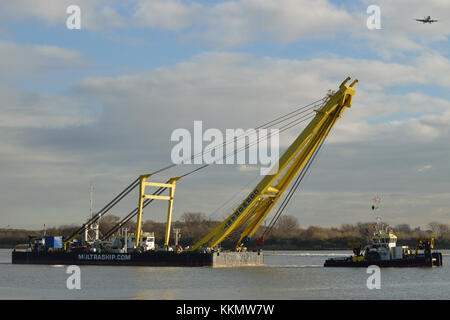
x=237, y=22
x=95, y=14
x=233, y=23
x=425, y=168
x=26, y=60
x=166, y=14
x=245, y=90
x=223, y=24
x=24, y=109
x=401, y=34
x=21, y=109
x=132, y=133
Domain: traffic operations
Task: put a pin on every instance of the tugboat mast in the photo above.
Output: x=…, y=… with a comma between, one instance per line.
x=375, y=206
x=91, y=233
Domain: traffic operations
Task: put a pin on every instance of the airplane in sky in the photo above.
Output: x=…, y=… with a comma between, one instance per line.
x=426, y=20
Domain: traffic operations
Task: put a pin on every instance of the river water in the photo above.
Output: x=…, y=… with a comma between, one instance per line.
x=285, y=275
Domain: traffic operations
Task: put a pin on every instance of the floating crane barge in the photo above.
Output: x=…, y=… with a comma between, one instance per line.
x=150, y=258
x=139, y=249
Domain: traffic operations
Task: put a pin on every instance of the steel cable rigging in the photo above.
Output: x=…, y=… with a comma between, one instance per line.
x=160, y=190
x=292, y=191
x=291, y=115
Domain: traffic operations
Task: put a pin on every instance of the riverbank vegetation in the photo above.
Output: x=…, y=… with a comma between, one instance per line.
x=287, y=234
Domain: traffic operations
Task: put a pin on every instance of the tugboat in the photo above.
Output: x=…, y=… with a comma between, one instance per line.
x=384, y=252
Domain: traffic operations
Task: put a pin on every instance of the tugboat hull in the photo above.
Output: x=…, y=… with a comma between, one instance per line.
x=433, y=260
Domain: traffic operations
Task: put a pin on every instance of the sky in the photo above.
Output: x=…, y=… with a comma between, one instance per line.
x=98, y=105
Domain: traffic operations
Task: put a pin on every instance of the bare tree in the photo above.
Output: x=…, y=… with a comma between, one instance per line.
x=107, y=222
x=348, y=228
x=287, y=226
x=192, y=218
x=405, y=228
x=196, y=224
x=440, y=229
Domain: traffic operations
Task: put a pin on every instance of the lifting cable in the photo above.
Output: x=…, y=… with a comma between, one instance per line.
x=292, y=191
x=310, y=107
x=146, y=202
x=106, y=208
x=281, y=129
x=290, y=194
x=133, y=213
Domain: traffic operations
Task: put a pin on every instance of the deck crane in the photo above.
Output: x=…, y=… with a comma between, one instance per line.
x=258, y=204
x=255, y=208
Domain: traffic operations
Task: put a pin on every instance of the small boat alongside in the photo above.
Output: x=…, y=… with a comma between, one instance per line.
x=384, y=252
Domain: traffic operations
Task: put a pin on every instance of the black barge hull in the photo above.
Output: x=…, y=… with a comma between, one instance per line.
x=434, y=260
x=158, y=258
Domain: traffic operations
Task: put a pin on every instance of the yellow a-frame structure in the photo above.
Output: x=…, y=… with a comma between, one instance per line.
x=257, y=205
x=142, y=195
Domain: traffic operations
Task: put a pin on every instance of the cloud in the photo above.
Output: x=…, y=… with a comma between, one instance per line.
x=377, y=147
x=166, y=14
x=227, y=24
x=22, y=109
x=394, y=141
x=95, y=14
x=401, y=35
x=232, y=23
x=223, y=24
x=26, y=60
x=399, y=18
x=424, y=168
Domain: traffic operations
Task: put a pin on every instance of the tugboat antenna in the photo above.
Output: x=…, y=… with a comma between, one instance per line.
x=375, y=206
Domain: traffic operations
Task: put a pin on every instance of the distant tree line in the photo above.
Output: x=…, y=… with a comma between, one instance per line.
x=287, y=234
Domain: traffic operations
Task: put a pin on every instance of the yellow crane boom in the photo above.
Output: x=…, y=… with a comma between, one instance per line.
x=257, y=205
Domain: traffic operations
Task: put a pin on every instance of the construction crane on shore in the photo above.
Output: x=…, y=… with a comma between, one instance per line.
x=254, y=209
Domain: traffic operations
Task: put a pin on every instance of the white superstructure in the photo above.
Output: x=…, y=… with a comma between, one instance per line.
x=384, y=245
x=127, y=242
